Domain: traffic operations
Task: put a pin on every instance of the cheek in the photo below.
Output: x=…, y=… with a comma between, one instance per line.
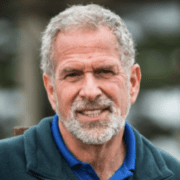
x=117, y=92
x=65, y=98
x=124, y=102
x=114, y=89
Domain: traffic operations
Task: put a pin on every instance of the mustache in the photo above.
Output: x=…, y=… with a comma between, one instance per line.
x=99, y=103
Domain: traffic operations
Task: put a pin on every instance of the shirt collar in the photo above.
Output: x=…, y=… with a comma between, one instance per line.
x=67, y=155
x=130, y=141
x=129, y=138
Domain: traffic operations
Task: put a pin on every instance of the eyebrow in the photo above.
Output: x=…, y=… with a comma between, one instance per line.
x=106, y=67
x=67, y=70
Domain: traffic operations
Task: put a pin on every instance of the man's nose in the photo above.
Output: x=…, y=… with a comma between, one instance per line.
x=90, y=88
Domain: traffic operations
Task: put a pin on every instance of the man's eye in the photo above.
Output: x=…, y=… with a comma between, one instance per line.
x=105, y=73
x=72, y=75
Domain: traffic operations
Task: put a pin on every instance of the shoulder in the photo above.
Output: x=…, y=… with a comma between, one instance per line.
x=172, y=163
x=12, y=156
x=16, y=151
x=154, y=161
x=14, y=144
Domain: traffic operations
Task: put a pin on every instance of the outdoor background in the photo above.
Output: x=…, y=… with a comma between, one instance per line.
x=155, y=27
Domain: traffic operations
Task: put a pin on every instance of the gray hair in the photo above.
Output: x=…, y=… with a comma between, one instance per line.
x=92, y=17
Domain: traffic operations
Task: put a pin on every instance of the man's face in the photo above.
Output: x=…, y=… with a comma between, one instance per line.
x=91, y=90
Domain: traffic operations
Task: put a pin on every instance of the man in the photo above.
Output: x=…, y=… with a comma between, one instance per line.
x=91, y=80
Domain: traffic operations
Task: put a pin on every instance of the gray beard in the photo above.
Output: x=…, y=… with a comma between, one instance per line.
x=97, y=132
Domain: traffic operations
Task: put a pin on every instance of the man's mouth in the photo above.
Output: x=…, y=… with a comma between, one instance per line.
x=92, y=113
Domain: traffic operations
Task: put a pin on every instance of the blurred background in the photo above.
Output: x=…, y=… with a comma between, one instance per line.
x=155, y=27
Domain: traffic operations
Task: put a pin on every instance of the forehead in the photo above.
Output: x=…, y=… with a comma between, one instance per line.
x=101, y=35
x=85, y=46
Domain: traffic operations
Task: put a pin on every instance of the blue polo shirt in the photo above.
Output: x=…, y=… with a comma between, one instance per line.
x=85, y=170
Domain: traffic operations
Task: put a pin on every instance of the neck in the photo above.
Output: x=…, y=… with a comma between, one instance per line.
x=105, y=158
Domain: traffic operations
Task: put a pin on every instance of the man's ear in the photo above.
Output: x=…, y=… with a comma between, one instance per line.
x=48, y=84
x=135, y=79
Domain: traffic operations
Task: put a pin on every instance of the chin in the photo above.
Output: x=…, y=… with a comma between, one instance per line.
x=98, y=132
